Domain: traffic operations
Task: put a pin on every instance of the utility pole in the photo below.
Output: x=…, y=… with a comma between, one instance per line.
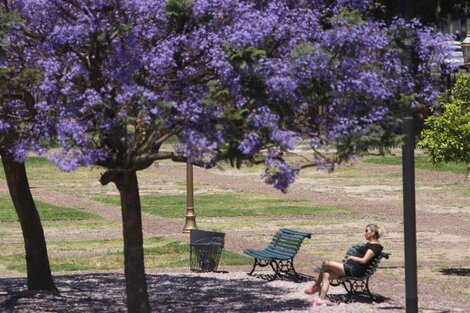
x=409, y=198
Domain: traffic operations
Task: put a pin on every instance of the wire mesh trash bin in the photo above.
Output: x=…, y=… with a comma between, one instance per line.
x=205, y=250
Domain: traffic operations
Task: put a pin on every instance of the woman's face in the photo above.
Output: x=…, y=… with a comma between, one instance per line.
x=369, y=234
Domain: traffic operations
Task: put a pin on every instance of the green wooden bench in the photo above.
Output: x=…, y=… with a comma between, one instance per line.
x=280, y=252
x=358, y=285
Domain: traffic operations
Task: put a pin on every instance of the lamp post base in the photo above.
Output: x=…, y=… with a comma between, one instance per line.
x=190, y=222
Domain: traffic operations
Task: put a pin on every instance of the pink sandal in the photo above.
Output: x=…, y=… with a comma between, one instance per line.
x=319, y=302
x=312, y=290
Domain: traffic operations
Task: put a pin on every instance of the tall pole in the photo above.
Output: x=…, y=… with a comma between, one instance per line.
x=409, y=204
x=409, y=216
x=190, y=222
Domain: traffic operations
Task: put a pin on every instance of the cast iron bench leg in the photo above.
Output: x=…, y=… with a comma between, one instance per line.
x=254, y=266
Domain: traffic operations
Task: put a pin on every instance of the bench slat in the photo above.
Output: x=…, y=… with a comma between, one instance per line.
x=267, y=255
x=286, y=241
x=284, y=246
x=295, y=232
x=280, y=251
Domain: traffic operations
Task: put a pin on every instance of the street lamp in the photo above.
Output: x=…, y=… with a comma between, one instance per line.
x=466, y=58
x=190, y=222
x=466, y=51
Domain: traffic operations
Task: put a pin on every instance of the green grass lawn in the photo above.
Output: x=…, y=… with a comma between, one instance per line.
x=69, y=256
x=228, y=205
x=421, y=162
x=161, y=252
x=47, y=212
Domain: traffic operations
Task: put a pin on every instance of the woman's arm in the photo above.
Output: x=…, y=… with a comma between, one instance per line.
x=366, y=258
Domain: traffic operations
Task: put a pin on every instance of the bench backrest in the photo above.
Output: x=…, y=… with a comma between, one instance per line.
x=287, y=241
x=373, y=265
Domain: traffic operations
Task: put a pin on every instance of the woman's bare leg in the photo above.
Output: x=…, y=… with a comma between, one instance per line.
x=329, y=270
x=331, y=267
x=325, y=285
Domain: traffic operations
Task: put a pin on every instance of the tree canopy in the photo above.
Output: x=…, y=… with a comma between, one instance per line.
x=229, y=79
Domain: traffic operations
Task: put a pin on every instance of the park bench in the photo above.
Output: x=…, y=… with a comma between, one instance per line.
x=280, y=252
x=358, y=285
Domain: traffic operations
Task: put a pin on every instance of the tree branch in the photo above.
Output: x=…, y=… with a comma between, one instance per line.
x=30, y=33
x=110, y=176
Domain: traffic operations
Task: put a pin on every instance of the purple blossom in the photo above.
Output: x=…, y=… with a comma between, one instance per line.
x=286, y=139
x=251, y=144
x=263, y=117
x=120, y=75
x=279, y=173
x=69, y=160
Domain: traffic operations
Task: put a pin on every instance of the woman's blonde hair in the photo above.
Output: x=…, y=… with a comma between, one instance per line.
x=377, y=229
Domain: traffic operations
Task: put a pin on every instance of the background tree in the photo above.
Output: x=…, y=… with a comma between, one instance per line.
x=17, y=136
x=430, y=12
x=446, y=137
x=233, y=80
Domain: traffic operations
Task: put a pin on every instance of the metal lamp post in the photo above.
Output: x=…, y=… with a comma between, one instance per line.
x=190, y=216
x=466, y=51
x=466, y=58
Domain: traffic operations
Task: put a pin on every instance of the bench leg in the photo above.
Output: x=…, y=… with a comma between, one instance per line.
x=348, y=285
x=261, y=263
x=254, y=266
x=355, y=286
x=287, y=266
x=367, y=290
x=293, y=269
x=275, y=267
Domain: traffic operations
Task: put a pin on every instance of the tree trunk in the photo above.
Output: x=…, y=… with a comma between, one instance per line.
x=37, y=260
x=136, y=284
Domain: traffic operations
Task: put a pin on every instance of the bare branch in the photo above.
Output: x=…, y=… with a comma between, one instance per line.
x=30, y=33
x=309, y=165
x=167, y=136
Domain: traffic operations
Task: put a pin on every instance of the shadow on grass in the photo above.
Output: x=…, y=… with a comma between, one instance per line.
x=167, y=293
x=456, y=271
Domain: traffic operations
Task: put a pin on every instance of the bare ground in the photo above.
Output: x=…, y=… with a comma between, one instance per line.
x=373, y=192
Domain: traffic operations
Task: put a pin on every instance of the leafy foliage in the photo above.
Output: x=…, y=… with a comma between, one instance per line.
x=446, y=137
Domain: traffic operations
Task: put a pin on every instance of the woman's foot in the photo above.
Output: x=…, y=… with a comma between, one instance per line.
x=311, y=290
x=319, y=302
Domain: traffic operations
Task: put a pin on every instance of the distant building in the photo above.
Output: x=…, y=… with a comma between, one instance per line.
x=458, y=25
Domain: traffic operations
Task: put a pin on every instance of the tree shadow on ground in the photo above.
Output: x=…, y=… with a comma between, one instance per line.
x=167, y=293
x=299, y=278
x=363, y=298
x=456, y=271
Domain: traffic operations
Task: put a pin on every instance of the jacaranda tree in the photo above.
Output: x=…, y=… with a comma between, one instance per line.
x=232, y=80
x=18, y=134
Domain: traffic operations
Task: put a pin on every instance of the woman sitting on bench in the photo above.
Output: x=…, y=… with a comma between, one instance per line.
x=355, y=266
